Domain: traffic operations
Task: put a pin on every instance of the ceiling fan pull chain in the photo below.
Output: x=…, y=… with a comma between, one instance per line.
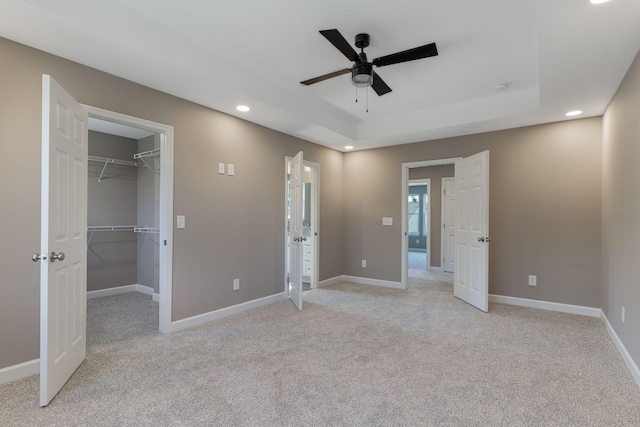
x=367, y=90
x=356, y=94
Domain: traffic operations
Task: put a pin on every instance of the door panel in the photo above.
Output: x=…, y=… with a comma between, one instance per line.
x=471, y=269
x=449, y=207
x=295, y=230
x=63, y=230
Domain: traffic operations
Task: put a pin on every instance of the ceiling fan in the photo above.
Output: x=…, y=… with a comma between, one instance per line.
x=362, y=74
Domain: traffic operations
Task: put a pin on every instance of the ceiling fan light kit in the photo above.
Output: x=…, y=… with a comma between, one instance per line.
x=362, y=73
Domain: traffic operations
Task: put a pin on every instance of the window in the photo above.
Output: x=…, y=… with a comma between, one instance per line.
x=418, y=208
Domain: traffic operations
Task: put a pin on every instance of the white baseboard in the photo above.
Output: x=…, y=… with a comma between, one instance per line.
x=631, y=365
x=360, y=281
x=156, y=297
x=546, y=305
x=374, y=282
x=21, y=370
x=119, y=290
x=435, y=269
x=189, y=322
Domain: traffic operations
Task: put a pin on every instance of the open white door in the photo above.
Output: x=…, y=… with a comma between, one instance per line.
x=471, y=268
x=449, y=223
x=63, y=273
x=295, y=230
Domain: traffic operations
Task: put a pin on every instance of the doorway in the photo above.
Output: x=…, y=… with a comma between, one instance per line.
x=310, y=224
x=418, y=226
x=153, y=227
x=416, y=172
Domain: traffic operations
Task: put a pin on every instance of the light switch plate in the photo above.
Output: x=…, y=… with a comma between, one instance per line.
x=221, y=168
x=231, y=169
x=180, y=221
x=387, y=220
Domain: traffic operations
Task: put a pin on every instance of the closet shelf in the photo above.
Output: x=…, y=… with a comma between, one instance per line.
x=107, y=161
x=151, y=153
x=146, y=229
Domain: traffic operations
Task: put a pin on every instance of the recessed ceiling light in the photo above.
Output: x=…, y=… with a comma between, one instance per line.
x=573, y=113
x=598, y=1
x=349, y=147
x=242, y=108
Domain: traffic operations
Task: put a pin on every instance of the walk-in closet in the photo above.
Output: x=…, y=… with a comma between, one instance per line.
x=123, y=210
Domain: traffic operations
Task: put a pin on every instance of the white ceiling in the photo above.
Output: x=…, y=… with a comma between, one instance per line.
x=557, y=56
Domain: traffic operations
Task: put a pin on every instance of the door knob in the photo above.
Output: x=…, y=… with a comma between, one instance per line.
x=480, y=239
x=59, y=257
x=303, y=239
x=36, y=257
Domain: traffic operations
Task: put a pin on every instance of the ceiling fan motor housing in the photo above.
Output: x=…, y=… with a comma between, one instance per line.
x=362, y=74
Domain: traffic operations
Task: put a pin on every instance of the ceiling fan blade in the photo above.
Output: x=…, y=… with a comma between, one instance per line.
x=379, y=85
x=326, y=76
x=339, y=42
x=407, y=55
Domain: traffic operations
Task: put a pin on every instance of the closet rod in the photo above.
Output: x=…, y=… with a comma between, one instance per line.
x=94, y=228
x=108, y=161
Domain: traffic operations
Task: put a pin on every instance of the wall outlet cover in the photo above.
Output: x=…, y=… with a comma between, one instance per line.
x=180, y=221
x=221, y=168
x=236, y=284
x=231, y=170
x=364, y=263
x=387, y=220
x=533, y=281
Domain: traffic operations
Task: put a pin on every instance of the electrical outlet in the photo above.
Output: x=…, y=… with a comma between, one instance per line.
x=221, y=168
x=364, y=263
x=533, y=281
x=622, y=313
x=236, y=284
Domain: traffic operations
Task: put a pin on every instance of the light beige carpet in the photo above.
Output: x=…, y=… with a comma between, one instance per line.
x=355, y=356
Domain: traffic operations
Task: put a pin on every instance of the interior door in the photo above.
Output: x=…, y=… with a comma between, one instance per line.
x=295, y=230
x=449, y=223
x=63, y=274
x=471, y=269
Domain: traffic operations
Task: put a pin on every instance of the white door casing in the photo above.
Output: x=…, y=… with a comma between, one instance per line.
x=63, y=230
x=295, y=230
x=471, y=269
x=448, y=223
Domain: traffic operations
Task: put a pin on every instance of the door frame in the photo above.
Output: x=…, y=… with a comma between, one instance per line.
x=165, y=288
x=315, y=220
x=405, y=194
x=427, y=182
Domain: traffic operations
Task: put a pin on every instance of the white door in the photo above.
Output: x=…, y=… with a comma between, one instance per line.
x=63, y=278
x=448, y=223
x=295, y=230
x=471, y=269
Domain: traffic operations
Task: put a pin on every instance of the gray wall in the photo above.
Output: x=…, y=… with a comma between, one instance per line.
x=111, y=256
x=223, y=240
x=544, y=208
x=149, y=215
x=435, y=173
x=621, y=211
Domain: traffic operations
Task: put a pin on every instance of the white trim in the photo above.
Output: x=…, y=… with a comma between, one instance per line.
x=120, y=290
x=199, y=319
x=546, y=305
x=374, y=282
x=166, y=202
x=19, y=371
x=404, y=267
x=156, y=297
x=628, y=360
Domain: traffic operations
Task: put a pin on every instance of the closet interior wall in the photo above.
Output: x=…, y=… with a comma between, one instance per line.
x=121, y=196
